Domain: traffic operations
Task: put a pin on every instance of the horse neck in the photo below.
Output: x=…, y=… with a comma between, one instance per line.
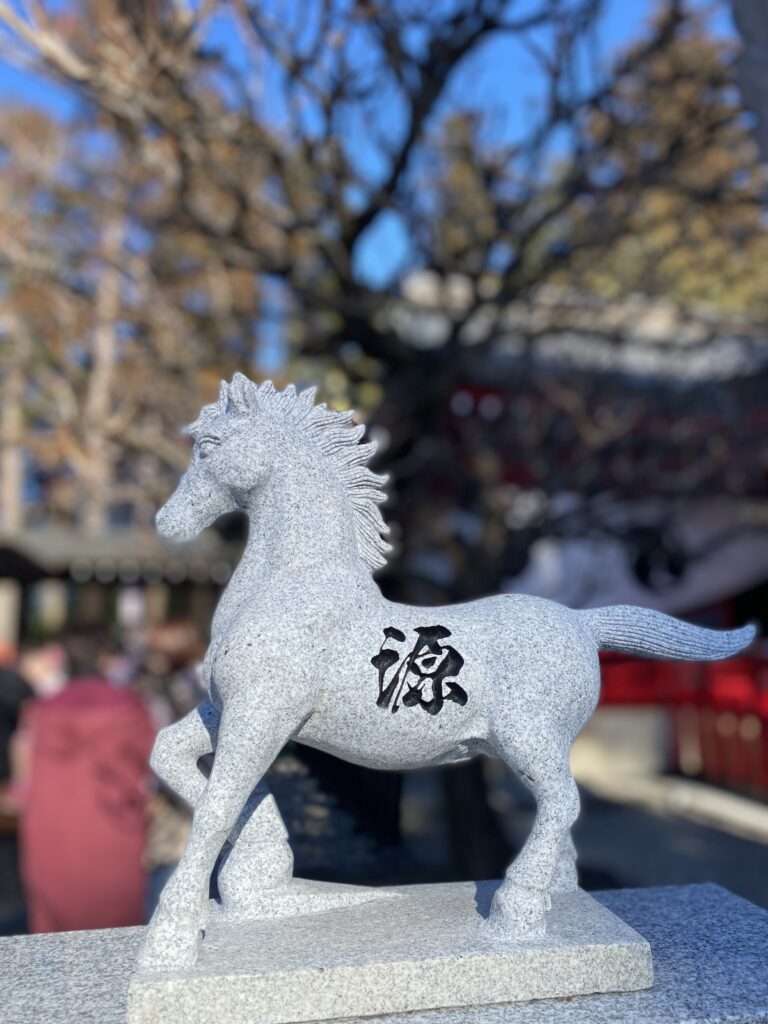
x=300, y=541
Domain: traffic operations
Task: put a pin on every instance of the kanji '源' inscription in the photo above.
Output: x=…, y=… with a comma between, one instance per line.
x=424, y=677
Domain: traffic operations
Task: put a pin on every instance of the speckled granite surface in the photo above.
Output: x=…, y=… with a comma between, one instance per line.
x=304, y=646
x=710, y=952
x=299, y=896
x=710, y=959
x=426, y=947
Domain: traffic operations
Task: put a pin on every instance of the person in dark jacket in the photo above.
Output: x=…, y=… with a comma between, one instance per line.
x=14, y=691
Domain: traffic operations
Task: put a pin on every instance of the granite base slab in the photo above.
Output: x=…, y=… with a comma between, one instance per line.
x=710, y=958
x=302, y=896
x=425, y=949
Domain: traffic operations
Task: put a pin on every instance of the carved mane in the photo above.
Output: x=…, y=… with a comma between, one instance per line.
x=331, y=434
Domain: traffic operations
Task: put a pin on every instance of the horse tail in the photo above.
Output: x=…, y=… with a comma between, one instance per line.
x=652, y=634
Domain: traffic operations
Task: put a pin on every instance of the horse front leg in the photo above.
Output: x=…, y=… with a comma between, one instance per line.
x=179, y=747
x=248, y=742
x=260, y=856
x=521, y=901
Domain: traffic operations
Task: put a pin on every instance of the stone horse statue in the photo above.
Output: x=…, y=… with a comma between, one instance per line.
x=305, y=647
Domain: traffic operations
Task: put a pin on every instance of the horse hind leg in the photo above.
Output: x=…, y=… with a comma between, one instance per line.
x=521, y=901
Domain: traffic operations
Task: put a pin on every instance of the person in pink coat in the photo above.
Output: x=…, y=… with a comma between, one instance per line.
x=84, y=798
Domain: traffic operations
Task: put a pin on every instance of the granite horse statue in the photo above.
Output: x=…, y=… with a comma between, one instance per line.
x=305, y=647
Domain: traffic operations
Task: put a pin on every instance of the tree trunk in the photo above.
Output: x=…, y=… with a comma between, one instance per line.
x=11, y=454
x=100, y=396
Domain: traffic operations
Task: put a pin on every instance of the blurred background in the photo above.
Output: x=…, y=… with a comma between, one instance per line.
x=527, y=241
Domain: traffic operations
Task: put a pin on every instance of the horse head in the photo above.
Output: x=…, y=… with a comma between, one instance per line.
x=250, y=433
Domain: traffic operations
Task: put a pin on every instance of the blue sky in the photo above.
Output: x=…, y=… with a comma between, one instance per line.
x=494, y=74
x=622, y=22
x=498, y=80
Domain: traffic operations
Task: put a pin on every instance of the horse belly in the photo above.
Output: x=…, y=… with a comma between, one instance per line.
x=401, y=690
x=417, y=687
x=376, y=742
x=359, y=731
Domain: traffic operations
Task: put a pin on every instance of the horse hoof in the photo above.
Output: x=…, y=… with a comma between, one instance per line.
x=517, y=914
x=169, y=944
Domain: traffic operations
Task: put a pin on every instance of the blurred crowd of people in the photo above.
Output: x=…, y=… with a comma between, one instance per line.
x=88, y=837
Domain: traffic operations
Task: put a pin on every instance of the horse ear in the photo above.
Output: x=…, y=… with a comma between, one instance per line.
x=243, y=393
x=223, y=401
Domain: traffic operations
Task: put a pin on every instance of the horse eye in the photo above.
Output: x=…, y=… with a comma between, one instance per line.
x=206, y=445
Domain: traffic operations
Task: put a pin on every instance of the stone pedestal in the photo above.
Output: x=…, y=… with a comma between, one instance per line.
x=424, y=947
x=710, y=953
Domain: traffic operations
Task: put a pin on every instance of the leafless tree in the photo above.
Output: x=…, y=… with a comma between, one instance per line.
x=235, y=160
